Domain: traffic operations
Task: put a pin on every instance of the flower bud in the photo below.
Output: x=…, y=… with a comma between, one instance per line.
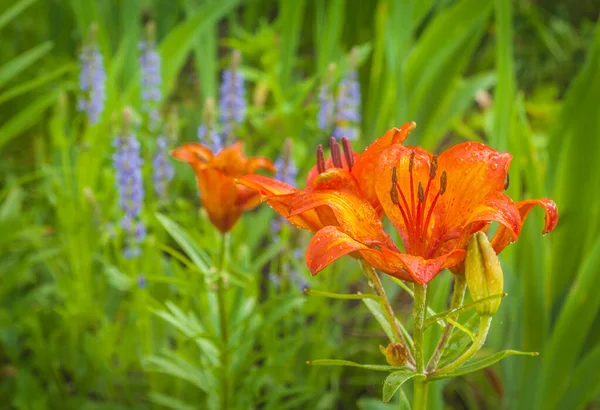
x=483, y=273
x=395, y=354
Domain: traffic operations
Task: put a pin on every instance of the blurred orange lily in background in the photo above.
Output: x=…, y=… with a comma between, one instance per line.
x=435, y=204
x=223, y=199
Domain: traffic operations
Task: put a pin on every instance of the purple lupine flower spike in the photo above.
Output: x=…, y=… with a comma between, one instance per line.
x=128, y=162
x=207, y=132
x=162, y=167
x=92, y=79
x=286, y=172
x=150, y=76
x=348, y=107
x=326, y=102
x=232, y=98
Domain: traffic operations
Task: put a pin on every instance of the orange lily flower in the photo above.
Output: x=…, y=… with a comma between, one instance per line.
x=435, y=204
x=223, y=199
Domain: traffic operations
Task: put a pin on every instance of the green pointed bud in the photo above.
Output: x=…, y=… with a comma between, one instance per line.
x=484, y=274
x=395, y=354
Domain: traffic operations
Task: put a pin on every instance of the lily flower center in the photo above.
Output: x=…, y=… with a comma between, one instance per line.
x=418, y=212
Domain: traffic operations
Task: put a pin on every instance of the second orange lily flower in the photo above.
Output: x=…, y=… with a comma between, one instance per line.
x=223, y=199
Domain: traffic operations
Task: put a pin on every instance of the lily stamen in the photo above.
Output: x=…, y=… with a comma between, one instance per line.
x=348, y=152
x=336, y=155
x=320, y=159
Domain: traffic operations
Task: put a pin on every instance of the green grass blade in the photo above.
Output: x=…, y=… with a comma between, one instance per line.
x=11, y=13
x=18, y=64
x=26, y=118
x=574, y=323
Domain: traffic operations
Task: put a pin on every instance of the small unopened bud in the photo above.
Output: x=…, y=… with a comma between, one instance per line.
x=484, y=274
x=395, y=354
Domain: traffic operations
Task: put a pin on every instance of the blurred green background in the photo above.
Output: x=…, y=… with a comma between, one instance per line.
x=81, y=327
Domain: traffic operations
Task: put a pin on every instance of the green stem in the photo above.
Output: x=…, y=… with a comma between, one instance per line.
x=420, y=393
x=420, y=382
x=377, y=286
x=460, y=286
x=484, y=327
x=223, y=324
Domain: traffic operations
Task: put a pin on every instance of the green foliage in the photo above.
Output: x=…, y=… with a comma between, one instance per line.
x=82, y=327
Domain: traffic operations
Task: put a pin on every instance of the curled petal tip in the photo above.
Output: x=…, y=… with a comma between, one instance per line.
x=402, y=133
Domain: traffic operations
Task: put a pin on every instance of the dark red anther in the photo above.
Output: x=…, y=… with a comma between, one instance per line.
x=443, y=182
x=507, y=182
x=421, y=193
x=320, y=159
x=394, y=190
x=336, y=154
x=348, y=154
x=411, y=162
x=433, y=167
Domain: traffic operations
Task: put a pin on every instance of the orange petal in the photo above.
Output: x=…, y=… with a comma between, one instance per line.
x=279, y=195
x=365, y=168
x=219, y=194
x=503, y=236
x=473, y=171
x=231, y=160
x=255, y=163
x=191, y=153
x=328, y=245
x=266, y=186
x=424, y=270
x=496, y=206
x=354, y=215
x=337, y=179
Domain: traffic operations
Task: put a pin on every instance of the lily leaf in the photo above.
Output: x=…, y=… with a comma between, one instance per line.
x=377, y=311
x=197, y=255
x=475, y=365
x=459, y=340
x=394, y=381
x=336, y=362
x=443, y=315
x=345, y=296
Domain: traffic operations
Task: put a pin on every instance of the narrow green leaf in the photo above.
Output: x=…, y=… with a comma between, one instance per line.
x=478, y=364
x=572, y=327
x=197, y=255
x=345, y=296
x=26, y=118
x=504, y=95
x=337, y=362
x=36, y=82
x=18, y=64
x=12, y=12
x=394, y=381
x=443, y=315
x=169, y=402
x=583, y=388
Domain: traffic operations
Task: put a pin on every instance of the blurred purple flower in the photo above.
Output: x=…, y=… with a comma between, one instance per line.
x=210, y=138
x=347, y=116
x=128, y=167
x=150, y=80
x=326, y=108
x=232, y=101
x=92, y=80
x=141, y=281
x=286, y=172
x=162, y=168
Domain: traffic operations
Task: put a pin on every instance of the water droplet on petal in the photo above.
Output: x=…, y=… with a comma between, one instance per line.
x=494, y=167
